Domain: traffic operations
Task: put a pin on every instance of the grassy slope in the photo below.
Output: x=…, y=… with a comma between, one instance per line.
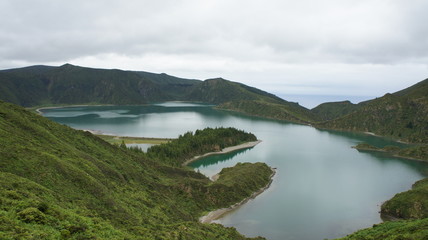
x=402, y=115
x=408, y=230
x=333, y=110
x=59, y=182
x=176, y=88
x=220, y=91
x=412, y=204
x=68, y=84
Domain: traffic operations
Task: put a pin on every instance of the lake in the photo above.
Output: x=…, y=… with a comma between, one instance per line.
x=323, y=188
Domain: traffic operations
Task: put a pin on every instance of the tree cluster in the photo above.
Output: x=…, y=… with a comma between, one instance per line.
x=200, y=142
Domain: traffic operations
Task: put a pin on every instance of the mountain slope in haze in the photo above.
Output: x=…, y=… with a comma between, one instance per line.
x=176, y=88
x=238, y=97
x=286, y=111
x=402, y=115
x=332, y=110
x=219, y=90
x=68, y=84
x=57, y=182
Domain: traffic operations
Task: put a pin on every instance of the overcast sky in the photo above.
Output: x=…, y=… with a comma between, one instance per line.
x=345, y=48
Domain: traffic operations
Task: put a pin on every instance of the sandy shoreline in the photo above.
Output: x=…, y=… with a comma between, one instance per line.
x=223, y=151
x=38, y=110
x=216, y=214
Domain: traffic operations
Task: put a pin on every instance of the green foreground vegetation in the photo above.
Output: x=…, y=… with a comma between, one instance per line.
x=61, y=183
x=393, y=230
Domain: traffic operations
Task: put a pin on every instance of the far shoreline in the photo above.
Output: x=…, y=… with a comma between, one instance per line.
x=39, y=109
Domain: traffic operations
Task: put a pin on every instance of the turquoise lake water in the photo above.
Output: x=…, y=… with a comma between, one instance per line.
x=323, y=188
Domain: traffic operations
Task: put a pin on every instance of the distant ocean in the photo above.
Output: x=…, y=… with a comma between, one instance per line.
x=311, y=101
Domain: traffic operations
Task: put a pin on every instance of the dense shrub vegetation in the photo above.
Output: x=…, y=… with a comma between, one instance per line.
x=60, y=183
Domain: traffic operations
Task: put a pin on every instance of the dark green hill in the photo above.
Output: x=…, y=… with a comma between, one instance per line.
x=219, y=90
x=402, y=115
x=176, y=88
x=287, y=111
x=56, y=182
x=238, y=97
x=68, y=84
x=412, y=204
x=333, y=110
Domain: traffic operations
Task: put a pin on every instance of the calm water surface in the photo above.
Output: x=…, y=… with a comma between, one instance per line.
x=323, y=188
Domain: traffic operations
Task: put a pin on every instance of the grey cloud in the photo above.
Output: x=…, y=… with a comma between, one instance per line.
x=279, y=31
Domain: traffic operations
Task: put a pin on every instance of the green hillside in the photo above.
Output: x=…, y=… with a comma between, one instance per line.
x=175, y=88
x=284, y=110
x=412, y=204
x=394, y=230
x=219, y=90
x=68, y=84
x=333, y=110
x=402, y=115
x=237, y=97
x=57, y=183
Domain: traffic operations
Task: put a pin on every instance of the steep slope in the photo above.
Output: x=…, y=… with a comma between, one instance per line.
x=24, y=86
x=238, y=97
x=176, y=88
x=70, y=84
x=402, y=115
x=412, y=204
x=219, y=90
x=57, y=182
x=333, y=110
x=287, y=111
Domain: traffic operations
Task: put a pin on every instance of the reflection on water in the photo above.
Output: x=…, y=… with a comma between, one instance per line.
x=142, y=146
x=215, y=159
x=323, y=188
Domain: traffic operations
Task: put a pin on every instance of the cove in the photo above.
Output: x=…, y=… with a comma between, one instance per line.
x=323, y=188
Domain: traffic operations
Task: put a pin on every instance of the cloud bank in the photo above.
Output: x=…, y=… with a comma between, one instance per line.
x=336, y=47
